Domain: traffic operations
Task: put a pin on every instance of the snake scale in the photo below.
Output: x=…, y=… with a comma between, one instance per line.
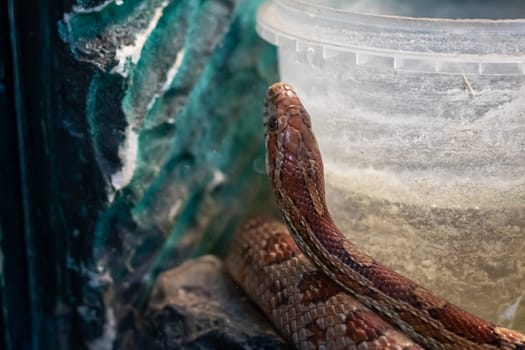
x=333, y=271
x=309, y=308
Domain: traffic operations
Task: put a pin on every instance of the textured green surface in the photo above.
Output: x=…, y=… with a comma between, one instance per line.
x=192, y=100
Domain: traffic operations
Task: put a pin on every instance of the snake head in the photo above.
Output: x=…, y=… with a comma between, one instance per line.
x=292, y=155
x=284, y=121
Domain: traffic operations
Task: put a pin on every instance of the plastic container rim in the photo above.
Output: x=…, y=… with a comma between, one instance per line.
x=446, y=24
x=276, y=34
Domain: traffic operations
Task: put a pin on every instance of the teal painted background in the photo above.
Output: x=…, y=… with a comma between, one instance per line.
x=137, y=143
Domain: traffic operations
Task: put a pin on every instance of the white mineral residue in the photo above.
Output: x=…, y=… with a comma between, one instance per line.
x=173, y=70
x=98, y=8
x=131, y=53
x=170, y=75
x=128, y=151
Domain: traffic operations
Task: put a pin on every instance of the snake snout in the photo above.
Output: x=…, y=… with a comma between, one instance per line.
x=278, y=92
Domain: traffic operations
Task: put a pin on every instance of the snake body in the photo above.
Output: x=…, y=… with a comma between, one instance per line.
x=295, y=169
x=303, y=303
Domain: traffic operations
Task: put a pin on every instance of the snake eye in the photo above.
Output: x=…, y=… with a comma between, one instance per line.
x=272, y=124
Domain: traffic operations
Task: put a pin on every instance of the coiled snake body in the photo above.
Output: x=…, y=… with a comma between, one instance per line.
x=296, y=171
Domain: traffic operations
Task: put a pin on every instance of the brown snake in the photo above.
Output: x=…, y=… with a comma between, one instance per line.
x=296, y=171
x=303, y=303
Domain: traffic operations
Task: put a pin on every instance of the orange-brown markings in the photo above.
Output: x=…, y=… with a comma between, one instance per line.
x=317, y=287
x=295, y=113
x=364, y=326
x=510, y=334
x=423, y=327
x=284, y=100
x=357, y=255
x=279, y=92
x=393, y=284
x=467, y=325
x=316, y=196
x=279, y=247
x=428, y=299
x=360, y=289
x=317, y=334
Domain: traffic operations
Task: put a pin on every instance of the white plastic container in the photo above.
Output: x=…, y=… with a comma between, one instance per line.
x=421, y=122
